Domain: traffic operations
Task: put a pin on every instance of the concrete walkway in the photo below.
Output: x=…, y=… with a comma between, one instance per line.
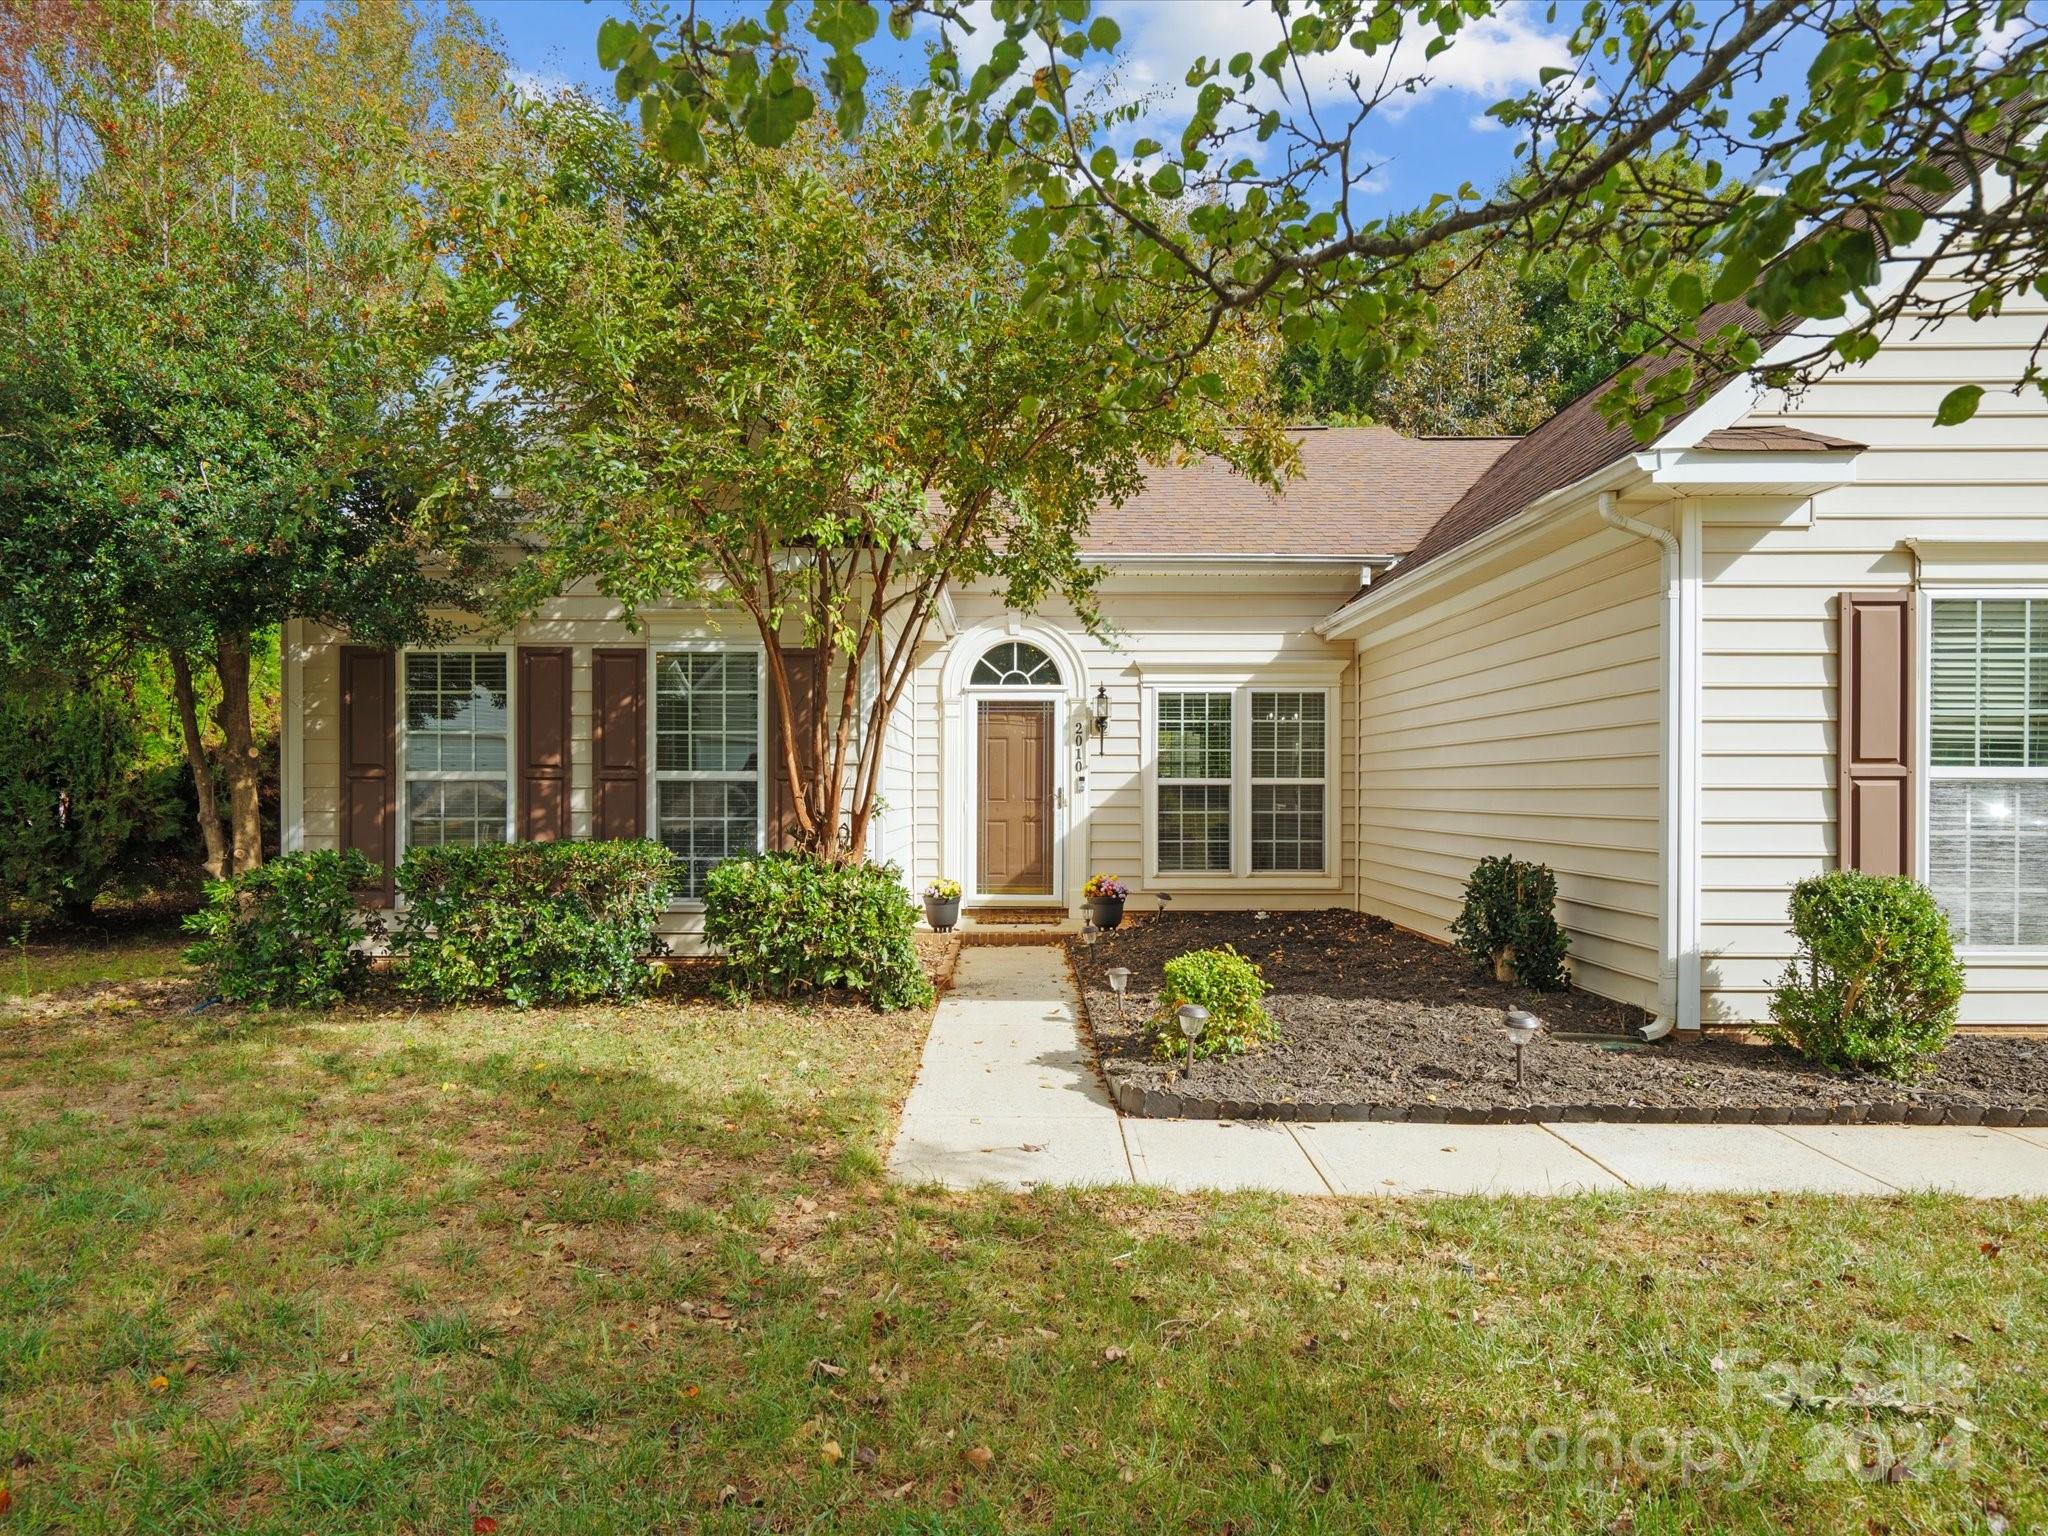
x=1007, y=1096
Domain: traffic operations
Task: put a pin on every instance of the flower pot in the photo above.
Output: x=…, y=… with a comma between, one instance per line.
x=1108, y=911
x=942, y=915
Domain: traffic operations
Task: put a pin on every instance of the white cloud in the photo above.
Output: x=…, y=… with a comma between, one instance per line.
x=537, y=84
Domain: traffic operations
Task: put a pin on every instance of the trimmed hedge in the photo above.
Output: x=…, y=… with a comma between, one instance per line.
x=287, y=933
x=532, y=922
x=1230, y=987
x=790, y=922
x=1875, y=986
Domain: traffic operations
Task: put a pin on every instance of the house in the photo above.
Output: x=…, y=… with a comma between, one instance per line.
x=1786, y=634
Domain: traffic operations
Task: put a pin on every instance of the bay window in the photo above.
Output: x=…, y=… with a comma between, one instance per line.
x=707, y=759
x=457, y=758
x=1987, y=820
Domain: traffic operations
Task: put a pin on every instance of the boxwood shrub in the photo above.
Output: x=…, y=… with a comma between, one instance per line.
x=287, y=933
x=1509, y=924
x=532, y=922
x=787, y=923
x=1875, y=986
x=1230, y=987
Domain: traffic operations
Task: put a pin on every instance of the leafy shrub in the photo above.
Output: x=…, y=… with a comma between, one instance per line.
x=287, y=933
x=1230, y=987
x=790, y=922
x=1509, y=923
x=72, y=798
x=532, y=922
x=1875, y=986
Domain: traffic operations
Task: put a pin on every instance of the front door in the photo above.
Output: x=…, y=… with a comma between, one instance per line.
x=1016, y=799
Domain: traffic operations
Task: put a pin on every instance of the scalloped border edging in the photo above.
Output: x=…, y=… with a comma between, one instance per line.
x=1165, y=1104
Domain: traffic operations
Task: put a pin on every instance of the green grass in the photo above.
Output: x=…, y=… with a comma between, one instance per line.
x=636, y=1270
x=32, y=962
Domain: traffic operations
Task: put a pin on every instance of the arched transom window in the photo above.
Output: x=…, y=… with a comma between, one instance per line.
x=1015, y=664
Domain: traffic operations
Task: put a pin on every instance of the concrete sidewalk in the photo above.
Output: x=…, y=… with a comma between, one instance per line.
x=1007, y=1096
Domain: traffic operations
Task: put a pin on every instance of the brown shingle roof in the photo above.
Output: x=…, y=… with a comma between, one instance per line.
x=1774, y=439
x=1362, y=491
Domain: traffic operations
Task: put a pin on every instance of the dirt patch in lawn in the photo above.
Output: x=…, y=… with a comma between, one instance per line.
x=1370, y=1017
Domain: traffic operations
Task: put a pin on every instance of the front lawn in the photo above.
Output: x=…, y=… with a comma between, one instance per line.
x=637, y=1270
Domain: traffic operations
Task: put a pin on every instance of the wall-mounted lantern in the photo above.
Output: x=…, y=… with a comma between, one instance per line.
x=1101, y=715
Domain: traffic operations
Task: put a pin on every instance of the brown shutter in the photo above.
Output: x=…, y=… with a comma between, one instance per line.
x=1875, y=818
x=800, y=663
x=369, y=759
x=618, y=744
x=544, y=743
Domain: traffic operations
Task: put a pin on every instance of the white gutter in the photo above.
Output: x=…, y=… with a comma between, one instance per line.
x=1678, y=886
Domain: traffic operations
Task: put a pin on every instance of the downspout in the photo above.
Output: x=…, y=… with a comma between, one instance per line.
x=1677, y=785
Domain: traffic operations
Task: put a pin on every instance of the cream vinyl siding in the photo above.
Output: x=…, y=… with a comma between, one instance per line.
x=1771, y=576
x=1514, y=710
x=1236, y=622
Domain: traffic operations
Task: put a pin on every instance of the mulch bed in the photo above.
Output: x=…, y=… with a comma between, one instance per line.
x=1379, y=1024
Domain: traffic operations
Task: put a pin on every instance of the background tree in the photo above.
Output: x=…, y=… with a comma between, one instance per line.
x=216, y=307
x=1908, y=107
x=812, y=384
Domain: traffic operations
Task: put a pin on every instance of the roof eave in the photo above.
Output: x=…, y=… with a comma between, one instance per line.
x=1452, y=562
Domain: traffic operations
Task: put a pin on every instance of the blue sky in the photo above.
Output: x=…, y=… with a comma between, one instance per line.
x=1429, y=144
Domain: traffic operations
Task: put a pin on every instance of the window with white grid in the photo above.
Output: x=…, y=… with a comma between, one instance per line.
x=1987, y=822
x=1289, y=756
x=1195, y=780
x=457, y=761
x=707, y=759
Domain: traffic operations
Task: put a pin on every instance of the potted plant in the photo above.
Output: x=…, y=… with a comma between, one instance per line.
x=1105, y=897
x=942, y=905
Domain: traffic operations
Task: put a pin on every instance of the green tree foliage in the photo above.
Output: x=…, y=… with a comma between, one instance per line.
x=815, y=386
x=77, y=804
x=1250, y=204
x=217, y=308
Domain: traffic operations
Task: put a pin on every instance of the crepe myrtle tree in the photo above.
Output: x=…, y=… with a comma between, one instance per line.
x=1812, y=176
x=813, y=385
x=216, y=316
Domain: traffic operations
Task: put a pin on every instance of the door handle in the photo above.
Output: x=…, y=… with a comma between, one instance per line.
x=1059, y=798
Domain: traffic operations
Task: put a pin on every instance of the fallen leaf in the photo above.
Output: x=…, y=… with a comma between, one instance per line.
x=6, y=1499
x=865, y=1458
x=483, y=1525
x=1112, y=1354
x=830, y=1454
x=827, y=1368
x=159, y=1383
x=979, y=1457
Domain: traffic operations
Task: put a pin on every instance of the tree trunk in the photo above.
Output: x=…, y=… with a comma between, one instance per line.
x=202, y=768
x=245, y=812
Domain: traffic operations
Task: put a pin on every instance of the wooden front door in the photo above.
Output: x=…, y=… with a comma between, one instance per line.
x=1016, y=799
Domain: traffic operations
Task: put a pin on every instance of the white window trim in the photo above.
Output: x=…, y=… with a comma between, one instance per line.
x=405, y=774
x=1241, y=686
x=1923, y=810
x=658, y=647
